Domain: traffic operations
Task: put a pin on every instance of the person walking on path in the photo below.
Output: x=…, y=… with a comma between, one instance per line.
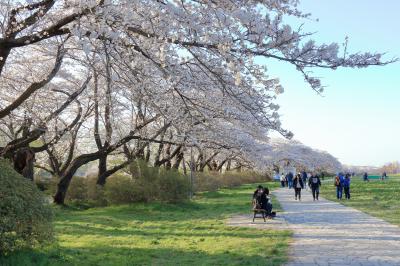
x=346, y=186
x=283, y=180
x=289, y=178
x=315, y=182
x=304, y=176
x=298, y=186
x=339, y=186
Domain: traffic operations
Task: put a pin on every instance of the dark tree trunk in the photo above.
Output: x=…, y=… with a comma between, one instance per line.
x=62, y=188
x=184, y=165
x=178, y=160
x=23, y=162
x=168, y=157
x=147, y=157
x=101, y=177
x=221, y=164
x=65, y=179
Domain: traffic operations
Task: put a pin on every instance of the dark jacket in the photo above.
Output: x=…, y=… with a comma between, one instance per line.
x=289, y=176
x=261, y=198
x=314, y=182
x=304, y=176
x=298, y=180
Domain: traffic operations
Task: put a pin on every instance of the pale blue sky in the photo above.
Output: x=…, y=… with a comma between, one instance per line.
x=357, y=120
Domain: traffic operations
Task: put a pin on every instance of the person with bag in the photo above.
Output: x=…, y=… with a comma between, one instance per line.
x=298, y=186
x=283, y=180
x=339, y=186
x=315, y=183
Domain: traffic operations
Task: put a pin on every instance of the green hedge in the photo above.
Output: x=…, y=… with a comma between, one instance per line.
x=25, y=216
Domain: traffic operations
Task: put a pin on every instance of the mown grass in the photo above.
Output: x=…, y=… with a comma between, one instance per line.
x=191, y=233
x=378, y=198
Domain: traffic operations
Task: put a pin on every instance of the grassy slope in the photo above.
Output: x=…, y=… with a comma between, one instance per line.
x=160, y=234
x=378, y=198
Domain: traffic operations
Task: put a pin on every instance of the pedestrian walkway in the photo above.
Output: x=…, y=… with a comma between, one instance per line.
x=328, y=233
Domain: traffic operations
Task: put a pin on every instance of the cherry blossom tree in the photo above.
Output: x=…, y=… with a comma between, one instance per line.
x=151, y=78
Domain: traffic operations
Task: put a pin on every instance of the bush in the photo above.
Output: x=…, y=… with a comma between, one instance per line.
x=121, y=189
x=211, y=181
x=148, y=184
x=78, y=189
x=85, y=190
x=25, y=216
x=173, y=186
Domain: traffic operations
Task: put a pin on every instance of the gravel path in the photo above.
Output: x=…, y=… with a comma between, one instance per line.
x=328, y=233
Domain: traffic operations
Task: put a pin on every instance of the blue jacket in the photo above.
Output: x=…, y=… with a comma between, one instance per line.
x=290, y=176
x=341, y=177
x=346, y=182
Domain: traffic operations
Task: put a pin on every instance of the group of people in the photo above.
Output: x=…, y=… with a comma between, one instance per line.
x=301, y=181
x=342, y=183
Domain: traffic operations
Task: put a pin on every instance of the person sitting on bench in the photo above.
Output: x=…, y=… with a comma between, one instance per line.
x=261, y=200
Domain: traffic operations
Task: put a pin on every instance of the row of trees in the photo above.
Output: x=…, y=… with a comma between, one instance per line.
x=391, y=168
x=164, y=81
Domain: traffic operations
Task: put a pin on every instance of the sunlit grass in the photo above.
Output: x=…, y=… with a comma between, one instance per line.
x=378, y=198
x=161, y=234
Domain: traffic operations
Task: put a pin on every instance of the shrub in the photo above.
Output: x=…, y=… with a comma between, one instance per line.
x=121, y=189
x=172, y=185
x=85, y=190
x=78, y=189
x=211, y=181
x=48, y=185
x=148, y=184
x=25, y=216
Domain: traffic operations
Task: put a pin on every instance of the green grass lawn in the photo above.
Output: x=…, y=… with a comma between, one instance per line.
x=192, y=233
x=378, y=198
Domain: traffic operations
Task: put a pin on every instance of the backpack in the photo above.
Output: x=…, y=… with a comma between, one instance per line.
x=337, y=181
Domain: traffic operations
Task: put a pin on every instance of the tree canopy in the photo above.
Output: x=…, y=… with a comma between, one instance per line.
x=85, y=80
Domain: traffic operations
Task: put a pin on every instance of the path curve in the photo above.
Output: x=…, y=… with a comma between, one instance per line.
x=328, y=233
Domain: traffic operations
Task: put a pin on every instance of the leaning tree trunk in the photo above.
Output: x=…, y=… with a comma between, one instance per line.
x=178, y=160
x=67, y=176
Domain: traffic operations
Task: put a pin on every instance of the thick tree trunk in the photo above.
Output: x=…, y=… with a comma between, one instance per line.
x=101, y=177
x=24, y=162
x=66, y=178
x=62, y=188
